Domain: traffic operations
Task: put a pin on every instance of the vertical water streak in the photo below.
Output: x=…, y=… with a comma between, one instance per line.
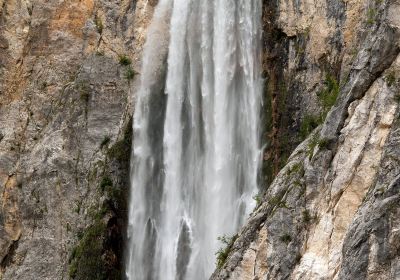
x=196, y=136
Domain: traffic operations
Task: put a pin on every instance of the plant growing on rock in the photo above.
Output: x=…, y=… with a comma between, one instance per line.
x=124, y=60
x=105, y=141
x=330, y=93
x=121, y=150
x=285, y=238
x=223, y=253
x=99, y=24
x=309, y=123
x=105, y=182
x=371, y=15
x=323, y=143
x=258, y=200
x=390, y=79
x=86, y=261
x=130, y=74
x=306, y=216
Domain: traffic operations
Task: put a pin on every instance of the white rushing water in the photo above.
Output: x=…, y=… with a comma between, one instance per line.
x=196, y=136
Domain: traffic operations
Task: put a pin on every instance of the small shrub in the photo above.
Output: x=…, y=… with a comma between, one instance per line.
x=323, y=143
x=297, y=168
x=371, y=15
x=130, y=74
x=121, y=150
x=223, y=253
x=277, y=200
x=306, y=216
x=258, y=200
x=100, y=53
x=105, y=182
x=102, y=212
x=124, y=60
x=105, y=141
x=330, y=93
x=85, y=96
x=390, y=79
x=312, y=145
x=309, y=123
x=99, y=24
x=43, y=85
x=286, y=238
x=86, y=261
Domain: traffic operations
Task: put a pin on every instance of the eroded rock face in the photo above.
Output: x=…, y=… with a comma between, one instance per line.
x=65, y=110
x=332, y=211
x=329, y=211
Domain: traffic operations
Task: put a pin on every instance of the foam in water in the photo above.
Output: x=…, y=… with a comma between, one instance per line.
x=196, y=136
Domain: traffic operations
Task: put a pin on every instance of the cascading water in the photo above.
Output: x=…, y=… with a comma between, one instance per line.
x=196, y=136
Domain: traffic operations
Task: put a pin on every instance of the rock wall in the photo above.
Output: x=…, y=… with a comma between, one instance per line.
x=67, y=73
x=330, y=179
x=332, y=210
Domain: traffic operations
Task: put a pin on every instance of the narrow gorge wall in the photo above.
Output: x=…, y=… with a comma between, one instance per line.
x=67, y=71
x=332, y=210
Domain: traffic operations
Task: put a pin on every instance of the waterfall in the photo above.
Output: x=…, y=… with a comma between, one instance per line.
x=196, y=149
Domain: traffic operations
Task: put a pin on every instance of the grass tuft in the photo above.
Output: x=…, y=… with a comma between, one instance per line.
x=223, y=253
x=286, y=238
x=124, y=60
x=130, y=74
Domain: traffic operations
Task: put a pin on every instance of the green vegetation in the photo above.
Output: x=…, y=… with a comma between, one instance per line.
x=297, y=168
x=130, y=74
x=371, y=15
x=286, y=238
x=309, y=123
x=330, y=93
x=314, y=142
x=390, y=79
x=105, y=182
x=306, y=216
x=327, y=97
x=102, y=212
x=277, y=200
x=258, y=200
x=312, y=145
x=105, y=141
x=223, y=253
x=86, y=261
x=121, y=150
x=124, y=60
x=323, y=143
x=99, y=24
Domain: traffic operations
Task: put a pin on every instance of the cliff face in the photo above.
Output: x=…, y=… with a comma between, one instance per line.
x=332, y=212
x=329, y=208
x=66, y=79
